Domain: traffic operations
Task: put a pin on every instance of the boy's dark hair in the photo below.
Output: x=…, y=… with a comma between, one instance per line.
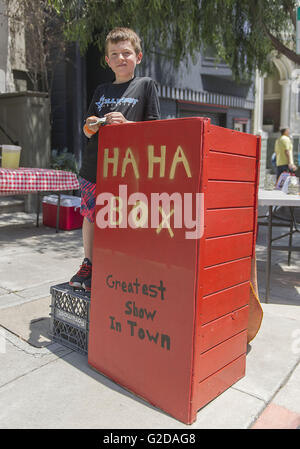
x=283, y=130
x=123, y=34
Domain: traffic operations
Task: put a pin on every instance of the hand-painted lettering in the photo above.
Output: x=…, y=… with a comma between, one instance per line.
x=114, y=159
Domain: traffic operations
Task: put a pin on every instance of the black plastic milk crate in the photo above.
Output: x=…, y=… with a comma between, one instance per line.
x=70, y=316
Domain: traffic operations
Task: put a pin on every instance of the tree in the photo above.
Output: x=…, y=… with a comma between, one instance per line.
x=36, y=25
x=243, y=32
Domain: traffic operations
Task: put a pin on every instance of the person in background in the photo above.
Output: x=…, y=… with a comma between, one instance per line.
x=284, y=153
x=125, y=100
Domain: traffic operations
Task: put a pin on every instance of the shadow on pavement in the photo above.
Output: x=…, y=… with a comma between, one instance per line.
x=42, y=239
x=40, y=331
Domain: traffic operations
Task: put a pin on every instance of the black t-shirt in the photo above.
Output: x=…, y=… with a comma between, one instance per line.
x=136, y=99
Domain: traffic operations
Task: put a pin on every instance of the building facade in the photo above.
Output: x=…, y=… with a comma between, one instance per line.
x=277, y=105
x=205, y=88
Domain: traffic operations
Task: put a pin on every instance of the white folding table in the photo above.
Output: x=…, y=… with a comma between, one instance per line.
x=273, y=198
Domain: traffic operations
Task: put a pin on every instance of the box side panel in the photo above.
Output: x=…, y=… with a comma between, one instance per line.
x=230, y=189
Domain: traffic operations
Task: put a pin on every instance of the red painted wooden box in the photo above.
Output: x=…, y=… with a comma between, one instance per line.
x=170, y=287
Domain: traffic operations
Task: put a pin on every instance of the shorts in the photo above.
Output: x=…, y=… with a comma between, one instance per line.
x=281, y=169
x=88, y=199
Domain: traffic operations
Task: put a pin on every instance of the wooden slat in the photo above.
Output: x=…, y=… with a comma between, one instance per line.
x=224, y=249
x=225, y=275
x=229, y=194
x=222, y=354
x=219, y=330
x=231, y=167
x=219, y=304
x=230, y=141
x=220, y=222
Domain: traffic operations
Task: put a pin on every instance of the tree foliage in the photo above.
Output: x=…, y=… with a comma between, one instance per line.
x=44, y=39
x=243, y=32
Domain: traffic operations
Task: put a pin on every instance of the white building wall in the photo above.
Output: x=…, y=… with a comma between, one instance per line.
x=12, y=47
x=3, y=45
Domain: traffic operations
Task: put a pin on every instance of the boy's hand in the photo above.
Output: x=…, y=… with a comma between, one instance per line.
x=89, y=123
x=90, y=128
x=115, y=117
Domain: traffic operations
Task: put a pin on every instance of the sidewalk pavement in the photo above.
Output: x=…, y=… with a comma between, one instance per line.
x=46, y=385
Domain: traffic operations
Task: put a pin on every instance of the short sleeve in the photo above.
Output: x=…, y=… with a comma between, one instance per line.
x=152, y=106
x=286, y=143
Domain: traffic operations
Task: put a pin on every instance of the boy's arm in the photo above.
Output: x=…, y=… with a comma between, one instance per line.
x=89, y=128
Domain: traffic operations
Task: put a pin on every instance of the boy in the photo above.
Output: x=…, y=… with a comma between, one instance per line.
x=127, y=99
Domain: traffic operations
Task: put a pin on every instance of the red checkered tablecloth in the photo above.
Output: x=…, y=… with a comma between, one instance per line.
x=26, y=180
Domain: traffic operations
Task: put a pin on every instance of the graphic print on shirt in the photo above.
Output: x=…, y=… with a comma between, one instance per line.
x=103, y=101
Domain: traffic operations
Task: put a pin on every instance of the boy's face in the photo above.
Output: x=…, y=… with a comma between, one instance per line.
x=122, y=59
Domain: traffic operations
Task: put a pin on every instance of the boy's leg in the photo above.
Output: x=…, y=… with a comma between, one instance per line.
x=88, y=198
x=88, y=238
x=88, y=203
